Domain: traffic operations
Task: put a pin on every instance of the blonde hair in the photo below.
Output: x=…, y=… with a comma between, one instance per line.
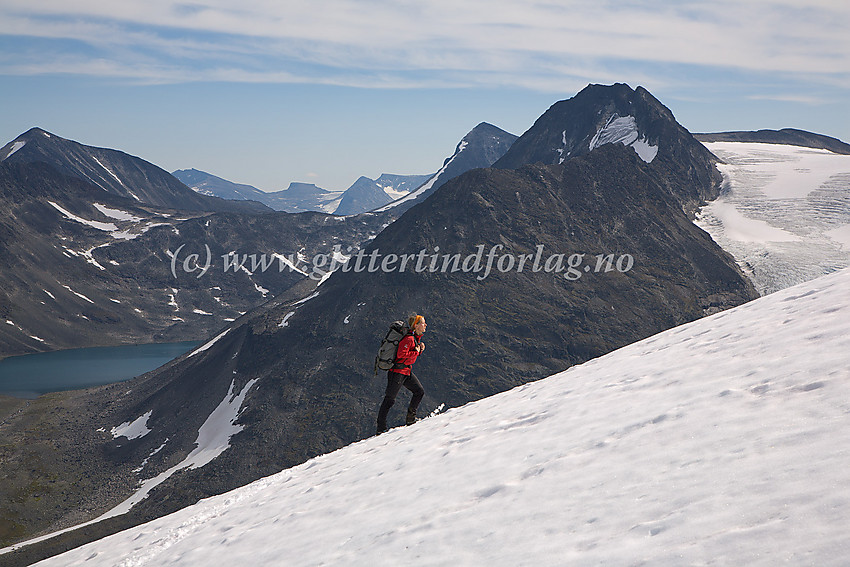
x=413, y=320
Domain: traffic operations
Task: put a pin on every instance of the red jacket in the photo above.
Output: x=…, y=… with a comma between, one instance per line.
x=406, y=354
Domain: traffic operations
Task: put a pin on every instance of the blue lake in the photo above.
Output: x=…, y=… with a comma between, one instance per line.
x=31, y=375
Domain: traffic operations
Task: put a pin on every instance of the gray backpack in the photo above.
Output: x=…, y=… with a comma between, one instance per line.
x=389, y=346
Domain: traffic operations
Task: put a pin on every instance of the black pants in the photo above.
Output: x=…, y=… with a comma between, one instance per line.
x=394, y=383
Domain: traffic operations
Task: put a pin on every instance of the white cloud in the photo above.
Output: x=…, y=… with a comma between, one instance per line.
x=436, y=43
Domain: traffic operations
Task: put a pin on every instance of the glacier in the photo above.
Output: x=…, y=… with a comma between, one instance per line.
x=783, y=212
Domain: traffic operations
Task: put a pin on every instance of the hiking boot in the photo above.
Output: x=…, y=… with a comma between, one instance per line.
x=382, y=428
x=411, y=417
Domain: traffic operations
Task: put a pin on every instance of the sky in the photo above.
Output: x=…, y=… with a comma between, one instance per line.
x=268, y=92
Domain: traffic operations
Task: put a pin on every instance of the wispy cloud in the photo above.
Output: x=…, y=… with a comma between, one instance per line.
x=539, y=45
x=795, y=98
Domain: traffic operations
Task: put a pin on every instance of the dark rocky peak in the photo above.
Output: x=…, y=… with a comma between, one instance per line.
x=487, y=141
x=597, y=115
x=600, y=115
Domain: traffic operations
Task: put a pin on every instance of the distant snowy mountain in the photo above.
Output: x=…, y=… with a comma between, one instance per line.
x=783, y=212
x=297, y=198
x=208, y=184
x=368, y=194
x=303, y=197
x=364, y=195
x=716, y=442
x=481, y=147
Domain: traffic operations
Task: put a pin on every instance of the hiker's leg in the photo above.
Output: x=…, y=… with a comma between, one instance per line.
x=412, y=383
x=394, y=381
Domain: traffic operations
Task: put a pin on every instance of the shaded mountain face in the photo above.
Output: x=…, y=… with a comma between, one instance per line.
x=115, y=172
x=481, y=147
x=600, y=115
x=619, y=260
x=83, y=267
x=786, y=136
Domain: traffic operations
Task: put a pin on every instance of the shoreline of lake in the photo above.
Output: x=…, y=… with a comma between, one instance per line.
x=31, y=375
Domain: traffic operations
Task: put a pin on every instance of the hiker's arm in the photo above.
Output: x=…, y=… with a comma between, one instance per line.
x=407, y=352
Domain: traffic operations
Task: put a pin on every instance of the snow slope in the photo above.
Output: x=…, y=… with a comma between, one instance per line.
x=718, y=442
x=784, y=213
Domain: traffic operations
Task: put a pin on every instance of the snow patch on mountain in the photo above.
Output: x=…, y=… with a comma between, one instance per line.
x=133, y=429
x=622, y=129
x=127, y=233
x=15, y=147
x=713, y=442
x=80, y=295
x=117, y=214
x=109, y=171
x=208, y=344
x=783, y=213
x=104, y=226
x=213, y=439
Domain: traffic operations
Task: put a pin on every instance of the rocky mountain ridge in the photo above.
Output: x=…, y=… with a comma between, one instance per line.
x=84, y=267
x=115, y=172
x=481, y=147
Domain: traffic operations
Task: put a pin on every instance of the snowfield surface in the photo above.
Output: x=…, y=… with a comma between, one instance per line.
x=722, y=442
x=784, y=212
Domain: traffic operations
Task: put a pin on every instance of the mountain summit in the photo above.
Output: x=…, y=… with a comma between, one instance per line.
x=481, y=147
x=616, y=114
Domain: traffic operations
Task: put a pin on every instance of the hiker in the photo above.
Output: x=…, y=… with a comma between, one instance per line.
x=409, y=348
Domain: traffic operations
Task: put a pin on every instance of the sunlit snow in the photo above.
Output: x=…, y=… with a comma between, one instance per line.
x=105, y=226
x=117, y=214
x=428, y=184
x=133, y=429
x=80, y=295
x=208, y=344
x=718, y=442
